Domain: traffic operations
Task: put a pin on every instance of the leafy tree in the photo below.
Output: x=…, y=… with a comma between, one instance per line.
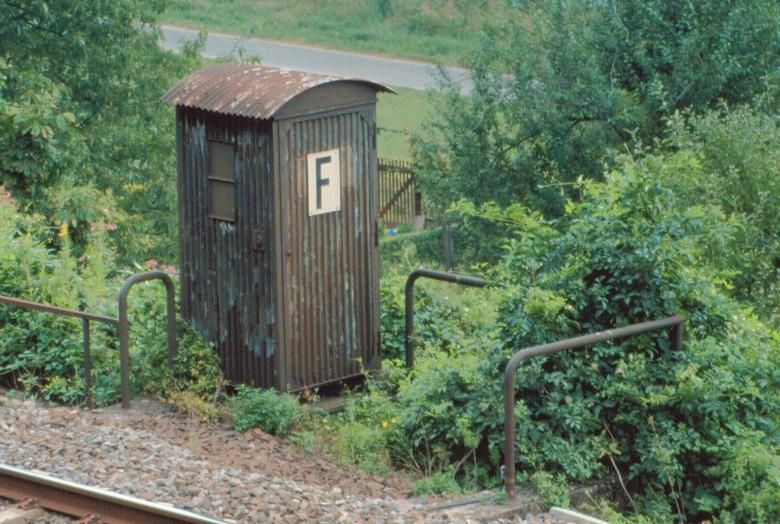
x=734, y=158
x=79, y=89
x=560, y=83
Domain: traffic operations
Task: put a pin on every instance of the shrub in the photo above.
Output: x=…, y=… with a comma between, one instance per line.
x=273, y=412
x=190, y=404
x=409, y=249
x=733, y=157
x=43, y=353
x=674, y=424
x=439, y=317
x=437, y=484
x=39, y=351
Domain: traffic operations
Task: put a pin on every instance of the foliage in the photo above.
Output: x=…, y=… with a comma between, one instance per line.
x=449, y=407
x=441, y=317
x=196, y=369
x=628, y=255
x=558, y=84
x=43, y=353
x=406, y=250
x=552, y=490
x=363, y=445
x=83, y=136
x=674, y=424
x=190, y=404
x=439, y=483
x=732, y=157
x=273, y=412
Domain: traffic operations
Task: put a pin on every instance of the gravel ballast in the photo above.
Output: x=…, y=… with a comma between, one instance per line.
x=153, y=454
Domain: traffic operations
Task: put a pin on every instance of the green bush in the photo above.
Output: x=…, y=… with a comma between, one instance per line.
x=439, y=319
x=439, y=483
x=670, y=421
x=43, y=353
x=673, y=423
x=273, y=412
x=449, y=415
x=81, y=129
x=359, y=435
x=732, y=158
x=412, y=248
x=196, y=367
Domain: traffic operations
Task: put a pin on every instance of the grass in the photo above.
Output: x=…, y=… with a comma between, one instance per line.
x=399, y=117
x=440, y=31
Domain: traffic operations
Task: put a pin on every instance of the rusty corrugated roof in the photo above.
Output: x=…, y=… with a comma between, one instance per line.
x=248, y=90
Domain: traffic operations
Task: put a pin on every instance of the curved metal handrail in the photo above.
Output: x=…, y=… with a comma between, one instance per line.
x=444, y=276
x=674, y=323
x=124, y=331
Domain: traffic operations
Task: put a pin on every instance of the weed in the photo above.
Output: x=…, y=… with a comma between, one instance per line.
x=438, y=483
x=273, y=412
x=190, y=404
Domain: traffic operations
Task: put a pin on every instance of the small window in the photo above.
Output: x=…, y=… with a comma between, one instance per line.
x=222, y=184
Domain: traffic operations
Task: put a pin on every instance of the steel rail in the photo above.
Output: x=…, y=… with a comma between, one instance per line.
x=463, y=280
x=674, y=324
x=79, y=500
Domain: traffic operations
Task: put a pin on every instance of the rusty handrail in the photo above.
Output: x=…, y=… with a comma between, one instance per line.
x=120, y=322
x=124, y=331
x=47, y=308
x=674, y=323
x=85, y=317
x=463, y=280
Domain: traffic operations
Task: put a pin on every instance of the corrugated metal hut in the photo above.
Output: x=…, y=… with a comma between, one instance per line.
x=277, y=185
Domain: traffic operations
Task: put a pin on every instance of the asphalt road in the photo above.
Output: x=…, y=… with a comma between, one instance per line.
x=395, y=72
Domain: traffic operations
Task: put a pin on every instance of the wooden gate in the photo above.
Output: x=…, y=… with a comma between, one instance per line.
x=399, y=201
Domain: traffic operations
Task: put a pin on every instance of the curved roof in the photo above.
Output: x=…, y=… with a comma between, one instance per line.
x=249, y=90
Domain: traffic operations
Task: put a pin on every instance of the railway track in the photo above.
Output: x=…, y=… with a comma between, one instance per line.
x=82, y=501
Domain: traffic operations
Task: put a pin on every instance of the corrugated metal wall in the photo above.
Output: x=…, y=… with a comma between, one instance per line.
x=330, y=279
x=226, y=275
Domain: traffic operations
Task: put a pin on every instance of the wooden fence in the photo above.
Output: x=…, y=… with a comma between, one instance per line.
x=399, y=201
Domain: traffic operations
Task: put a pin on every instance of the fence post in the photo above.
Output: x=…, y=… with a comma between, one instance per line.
x=87, y=363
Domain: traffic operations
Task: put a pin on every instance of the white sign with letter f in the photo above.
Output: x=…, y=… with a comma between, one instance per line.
x=324, y=172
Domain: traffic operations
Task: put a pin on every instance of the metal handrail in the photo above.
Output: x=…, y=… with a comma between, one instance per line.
x=121, y=323
x=85, y=317
x=674, y=323
x=124, y=330
x=444, y=276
